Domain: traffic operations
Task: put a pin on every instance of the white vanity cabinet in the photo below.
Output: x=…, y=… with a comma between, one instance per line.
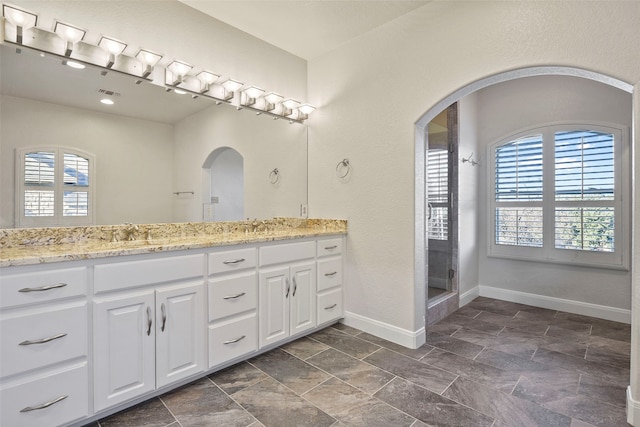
x=330, y=274
x=233, y=302
x=149, y=336
x=83, y=339
x=287, y=291
x=43, y=346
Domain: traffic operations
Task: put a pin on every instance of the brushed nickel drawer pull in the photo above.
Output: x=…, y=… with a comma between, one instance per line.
x=44, y=405
x=288, y=288
x=330, y=307
x=333, y=273
x=149, y=321
x=43, y=288
x=42, y=340
x=234, y=261
x=295, y=286
x=328, y=248
x=241, y=294
x=235, y=341
x=164, y=317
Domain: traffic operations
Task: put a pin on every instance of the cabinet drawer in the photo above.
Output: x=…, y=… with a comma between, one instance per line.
x=41, y=335
x=232, y=339
x=329, y=273
x=329, y=247
x=41, y=286
x=226, y=261
x=72, y=382
x=278, y=254
x=233, y=294
x=330, y=306
x=121, y=275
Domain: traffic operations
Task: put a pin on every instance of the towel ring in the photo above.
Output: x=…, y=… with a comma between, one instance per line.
x=343, y=168
x=274, y=176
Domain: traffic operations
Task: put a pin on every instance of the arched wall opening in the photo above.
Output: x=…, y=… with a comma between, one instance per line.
x=421, y=244
x=223, y=185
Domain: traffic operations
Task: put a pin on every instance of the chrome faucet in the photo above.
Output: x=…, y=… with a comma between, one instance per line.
x=130, y=231
x=257, y=225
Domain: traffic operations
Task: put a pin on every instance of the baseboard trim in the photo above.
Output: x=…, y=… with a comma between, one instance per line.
x=469, y=296
x=633, y=409
x=560, y=304
x=411, y=339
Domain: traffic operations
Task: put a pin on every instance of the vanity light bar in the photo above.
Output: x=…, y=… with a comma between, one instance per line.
x=70, y=34
x=21, y=19
x=149, y=59
x=176, y=73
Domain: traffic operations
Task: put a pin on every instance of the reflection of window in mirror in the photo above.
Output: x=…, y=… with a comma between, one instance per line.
x=54, y=187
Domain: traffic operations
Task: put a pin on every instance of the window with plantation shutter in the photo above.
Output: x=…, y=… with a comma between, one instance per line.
x=518, y=192
x=585, y=191
x=438, y=193
x=558, y=195
x=54, y=187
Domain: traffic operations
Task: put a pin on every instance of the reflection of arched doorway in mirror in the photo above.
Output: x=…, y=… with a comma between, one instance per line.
x=224, y=183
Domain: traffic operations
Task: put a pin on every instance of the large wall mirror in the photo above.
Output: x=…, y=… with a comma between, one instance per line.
x=151, y=146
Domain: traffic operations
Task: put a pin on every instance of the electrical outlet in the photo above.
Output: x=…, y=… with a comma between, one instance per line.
x=303, y=210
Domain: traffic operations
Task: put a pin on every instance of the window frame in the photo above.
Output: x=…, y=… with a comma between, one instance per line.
x=548, y=253
x=58, y=188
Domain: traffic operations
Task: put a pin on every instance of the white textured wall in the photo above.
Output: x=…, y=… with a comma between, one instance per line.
x=372, y=90
x=634, y=412
x=134, y=157
x=468, y=195
x=264, y=145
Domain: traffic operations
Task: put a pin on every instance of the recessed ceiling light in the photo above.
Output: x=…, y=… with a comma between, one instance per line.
x=180, y=91
x=107, y=101
x=74, y=64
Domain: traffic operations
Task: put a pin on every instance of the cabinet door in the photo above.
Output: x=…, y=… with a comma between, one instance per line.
x=303, y=297
x=123, y=348
x=180, y=332
x=275, y=290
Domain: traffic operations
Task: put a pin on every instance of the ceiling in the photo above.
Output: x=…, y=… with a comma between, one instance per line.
x=305, y=28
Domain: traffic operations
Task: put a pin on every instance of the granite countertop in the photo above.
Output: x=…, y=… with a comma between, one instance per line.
x=47, y=245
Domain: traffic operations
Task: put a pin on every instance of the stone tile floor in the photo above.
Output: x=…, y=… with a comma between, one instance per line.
x=491, y=363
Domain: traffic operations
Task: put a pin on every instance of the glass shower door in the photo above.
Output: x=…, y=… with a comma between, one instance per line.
x=441, y=203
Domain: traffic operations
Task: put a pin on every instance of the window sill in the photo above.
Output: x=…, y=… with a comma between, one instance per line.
x=580, y=264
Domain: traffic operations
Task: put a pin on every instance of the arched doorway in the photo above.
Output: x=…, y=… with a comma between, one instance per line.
x=224, y=184
x=421, y=245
